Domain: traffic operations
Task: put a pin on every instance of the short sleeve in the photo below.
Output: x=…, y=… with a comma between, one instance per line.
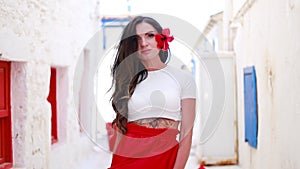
x=188, y=88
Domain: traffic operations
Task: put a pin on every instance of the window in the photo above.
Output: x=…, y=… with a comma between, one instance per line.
x=5, y=117
x=251, y=107
x=52, y=100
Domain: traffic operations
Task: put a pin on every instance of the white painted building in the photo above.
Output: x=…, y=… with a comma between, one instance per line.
x=267, y=34
x=264, y=34
x=36, y=36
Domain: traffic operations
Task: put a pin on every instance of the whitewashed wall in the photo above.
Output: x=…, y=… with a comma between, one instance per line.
x=268, y=37
x=35, y=35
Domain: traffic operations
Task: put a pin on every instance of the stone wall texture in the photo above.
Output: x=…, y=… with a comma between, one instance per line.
x=36, y=35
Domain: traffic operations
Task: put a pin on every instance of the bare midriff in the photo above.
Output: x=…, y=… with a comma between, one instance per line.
x=157, y=123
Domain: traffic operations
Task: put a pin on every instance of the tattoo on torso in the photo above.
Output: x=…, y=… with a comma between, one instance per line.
x=157, y=123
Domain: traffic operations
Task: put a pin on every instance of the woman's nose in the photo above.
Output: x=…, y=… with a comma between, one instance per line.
x=143, y=42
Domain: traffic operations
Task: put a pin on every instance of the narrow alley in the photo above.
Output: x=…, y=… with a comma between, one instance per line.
x=55, y=76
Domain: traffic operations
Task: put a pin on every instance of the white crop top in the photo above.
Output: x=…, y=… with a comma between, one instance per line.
x=160, y=94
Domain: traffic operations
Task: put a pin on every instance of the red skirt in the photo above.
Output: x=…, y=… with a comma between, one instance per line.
x=143, y=148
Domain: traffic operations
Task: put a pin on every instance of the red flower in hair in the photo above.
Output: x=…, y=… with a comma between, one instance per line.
x=163, y=39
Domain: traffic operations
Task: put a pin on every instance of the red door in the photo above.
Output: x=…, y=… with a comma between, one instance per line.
x=5, y=117
x=52, y=101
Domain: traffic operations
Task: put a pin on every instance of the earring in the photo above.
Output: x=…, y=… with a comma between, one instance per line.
x=168, y=56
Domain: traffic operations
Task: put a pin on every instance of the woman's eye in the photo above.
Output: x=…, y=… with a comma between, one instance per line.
x=135, y=38
x=150, y=35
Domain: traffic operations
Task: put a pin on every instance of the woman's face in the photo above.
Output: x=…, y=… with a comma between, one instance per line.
x=147, y=45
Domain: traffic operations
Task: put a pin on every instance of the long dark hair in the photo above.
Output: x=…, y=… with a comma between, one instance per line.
x=128, y=71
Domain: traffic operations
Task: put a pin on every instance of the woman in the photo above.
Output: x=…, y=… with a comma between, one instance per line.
x=151, y=100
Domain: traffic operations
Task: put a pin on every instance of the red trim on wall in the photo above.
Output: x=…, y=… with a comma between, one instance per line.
x=6, y=157
x=52, y=100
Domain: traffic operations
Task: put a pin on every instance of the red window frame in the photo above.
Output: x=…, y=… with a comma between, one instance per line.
x=52, y=100
x=6, y=157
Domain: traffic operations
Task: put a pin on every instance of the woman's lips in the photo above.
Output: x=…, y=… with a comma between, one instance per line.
x=146, y=51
